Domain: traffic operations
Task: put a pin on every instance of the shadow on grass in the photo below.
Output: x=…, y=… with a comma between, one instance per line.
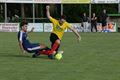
x=22, y=56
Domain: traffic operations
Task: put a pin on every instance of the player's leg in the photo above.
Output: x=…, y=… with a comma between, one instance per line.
x=36, y=47
x=95, y=27
x=53, y=49
x=55, y=43
x=104, y=26
x=91, y=27
x=84, y=26
x=43, y=47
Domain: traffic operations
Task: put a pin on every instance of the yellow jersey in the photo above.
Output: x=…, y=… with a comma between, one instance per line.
x=59, y=29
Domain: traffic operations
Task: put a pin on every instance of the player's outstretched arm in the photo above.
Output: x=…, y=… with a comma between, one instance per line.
x=31, y=30
x=76, y=33
x=48, y=11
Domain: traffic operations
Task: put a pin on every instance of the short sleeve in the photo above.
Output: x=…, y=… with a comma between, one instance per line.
x=68, y=25
x=21, y=37
x=52, y=20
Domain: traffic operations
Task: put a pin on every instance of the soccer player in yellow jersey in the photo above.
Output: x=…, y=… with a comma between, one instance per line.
x=59, y=27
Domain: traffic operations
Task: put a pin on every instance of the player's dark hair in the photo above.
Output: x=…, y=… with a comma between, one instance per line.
x=63, y=17
x=23, y=23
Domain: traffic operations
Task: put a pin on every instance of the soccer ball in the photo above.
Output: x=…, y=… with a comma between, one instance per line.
x=58, y=56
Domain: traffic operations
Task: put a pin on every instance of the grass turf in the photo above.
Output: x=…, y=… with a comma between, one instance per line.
x=96, y=57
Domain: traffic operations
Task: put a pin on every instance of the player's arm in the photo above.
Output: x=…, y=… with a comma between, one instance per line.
x=75, y=32
x=20, y=41
x=21, y=46
x=48, y=12
x=49, y=16
x=31, y=30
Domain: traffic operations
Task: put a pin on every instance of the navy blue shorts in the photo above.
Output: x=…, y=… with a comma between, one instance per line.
x=53, y=38
x=34, y=47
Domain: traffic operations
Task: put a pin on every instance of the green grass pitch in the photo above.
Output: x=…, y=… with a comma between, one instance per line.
x=96, y=57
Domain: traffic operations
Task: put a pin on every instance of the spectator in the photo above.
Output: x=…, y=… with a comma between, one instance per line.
x=1, y=18
x=93, y=22
x=104, y=18
x=15, y=17
x=85, y=22
x=9, y=16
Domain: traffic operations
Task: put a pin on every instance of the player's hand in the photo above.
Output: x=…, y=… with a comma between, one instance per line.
x=47, y=7
x=24, y=52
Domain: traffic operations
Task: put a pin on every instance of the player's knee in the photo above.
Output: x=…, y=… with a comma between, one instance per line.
x=42, y=46
x=58, y=41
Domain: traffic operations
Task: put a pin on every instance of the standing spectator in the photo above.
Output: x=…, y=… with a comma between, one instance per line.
x=15, y=17
x=9, y=16
x=104, y=18
x=1, y=18
x=93, y=22
x=85, y=22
